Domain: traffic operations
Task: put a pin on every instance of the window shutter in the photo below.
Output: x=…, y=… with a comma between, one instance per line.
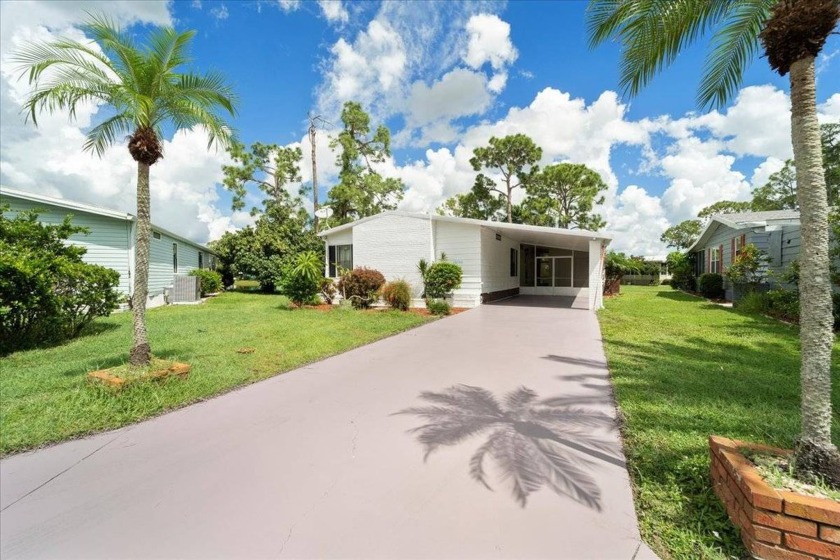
x=743, y=240
x=720, y=259
x=732, y=255
x=331, y=259
x=708, y=260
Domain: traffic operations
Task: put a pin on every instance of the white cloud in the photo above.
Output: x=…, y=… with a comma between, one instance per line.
x=489, y=41
x=219, y=12
x=830, y=110
x=458, y=93
x=334, y=11
x=289, y=5
x=636, y=221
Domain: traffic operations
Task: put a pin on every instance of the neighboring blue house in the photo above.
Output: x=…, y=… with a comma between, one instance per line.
x=775, y=232
x=110, y=241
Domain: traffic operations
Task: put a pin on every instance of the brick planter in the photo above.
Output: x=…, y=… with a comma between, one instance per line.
x=774, y=524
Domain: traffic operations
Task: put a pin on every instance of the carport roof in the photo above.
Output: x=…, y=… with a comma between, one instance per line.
x=537, y=235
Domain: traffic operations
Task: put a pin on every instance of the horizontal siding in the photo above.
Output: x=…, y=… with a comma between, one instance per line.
x=495, y=262
x=161, y=266
x=107, y=242
x=462, y=245
x=791, y=245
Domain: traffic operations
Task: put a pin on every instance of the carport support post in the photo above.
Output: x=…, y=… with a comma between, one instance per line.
x=596, y=274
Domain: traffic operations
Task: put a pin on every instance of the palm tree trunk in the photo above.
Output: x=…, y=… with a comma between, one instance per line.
x=816, y=332
x=141, y=351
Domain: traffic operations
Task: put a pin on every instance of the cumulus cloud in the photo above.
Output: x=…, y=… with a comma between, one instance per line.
x=334, y=11
x=49, y=159
x=289, y=5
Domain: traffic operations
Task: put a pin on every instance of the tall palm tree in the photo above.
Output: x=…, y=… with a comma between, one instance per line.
x=143, y=90
x=791, y=33
x=529, y=440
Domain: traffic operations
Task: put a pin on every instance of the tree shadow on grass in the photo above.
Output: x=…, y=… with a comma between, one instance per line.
x=533, y=442
x=93, y=329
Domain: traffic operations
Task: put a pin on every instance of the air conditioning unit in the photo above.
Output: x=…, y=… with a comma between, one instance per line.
x=185, y=289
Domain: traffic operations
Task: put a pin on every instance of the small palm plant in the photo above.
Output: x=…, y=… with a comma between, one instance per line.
x=144, y=91
x=530, y=441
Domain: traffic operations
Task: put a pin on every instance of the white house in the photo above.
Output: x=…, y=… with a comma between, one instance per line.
x=499, y=260
x=110, y=241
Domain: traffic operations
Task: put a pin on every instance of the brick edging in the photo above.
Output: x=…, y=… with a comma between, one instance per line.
x=774, y=524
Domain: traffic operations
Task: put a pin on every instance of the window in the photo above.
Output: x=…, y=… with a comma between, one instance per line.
x=156, y=234
x=340, y=256
x=714, y=260
x=514, y=262
x=200, y=259
x=175, y=257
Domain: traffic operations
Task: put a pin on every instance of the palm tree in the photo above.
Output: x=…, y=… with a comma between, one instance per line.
x=141, y=87
x=791, y=33
x=529, y=440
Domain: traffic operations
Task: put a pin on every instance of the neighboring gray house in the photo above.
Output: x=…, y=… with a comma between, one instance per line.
x=498, y=260
x=775, y=232
x=110, y=242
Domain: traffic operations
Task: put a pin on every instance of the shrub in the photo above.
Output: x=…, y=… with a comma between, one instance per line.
x=301, y=279
x=397, y=294
x=47, y=293
x=361, y=286
x=710, y=285
x=682, y=272
x=754, y=302
x=441, y=278
x=438, y=307
x=749, y=266
x=210, y=280
x=784, y=304
x=328, y=291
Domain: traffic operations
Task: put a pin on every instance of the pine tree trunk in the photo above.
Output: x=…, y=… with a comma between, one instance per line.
x=141, y=351
x=814, y=450
x=314, y=178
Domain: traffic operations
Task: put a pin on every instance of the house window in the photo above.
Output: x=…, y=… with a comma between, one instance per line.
x=156, y=234
x=340, y=257
x=714, y=260
x=514, y=262
x=200, y=259
x=175, y=257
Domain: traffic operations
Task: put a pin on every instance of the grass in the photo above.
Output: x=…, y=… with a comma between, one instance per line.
x=44, y=397
x=684, y=368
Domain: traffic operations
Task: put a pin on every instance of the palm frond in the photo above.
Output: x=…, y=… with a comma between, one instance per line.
x=108, y=132
x=479, y=401
x=477, y=460
x=519, y=462
x=119, y=47
x=651, y=32
x=168, y=48
x=436, y=434
x=734, y=45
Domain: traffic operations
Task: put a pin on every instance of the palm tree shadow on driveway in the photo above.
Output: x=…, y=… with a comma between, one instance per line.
x=534, y=442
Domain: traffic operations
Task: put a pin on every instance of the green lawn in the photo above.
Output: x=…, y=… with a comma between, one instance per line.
x=44, y=396
x=683, y=369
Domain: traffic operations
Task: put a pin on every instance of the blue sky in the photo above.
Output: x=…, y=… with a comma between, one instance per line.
x=444, y=76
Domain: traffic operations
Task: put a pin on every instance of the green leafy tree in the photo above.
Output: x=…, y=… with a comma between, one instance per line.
x=564, y=195
x=724, y=207
x=791, y=33
x=779, y=193
x=361, y=190
x=683, y=235
x=268, y=166
x=480, y=203
x=301, y=281
x=143, y=90
x=515, y=158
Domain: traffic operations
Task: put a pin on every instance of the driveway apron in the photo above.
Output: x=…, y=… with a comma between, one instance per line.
x=489, y=434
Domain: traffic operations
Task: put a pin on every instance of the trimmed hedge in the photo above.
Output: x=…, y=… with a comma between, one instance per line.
x=210, y=280
x=441, y=278
x=710, y=285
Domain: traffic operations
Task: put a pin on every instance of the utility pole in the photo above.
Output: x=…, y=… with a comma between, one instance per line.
x=313, y=126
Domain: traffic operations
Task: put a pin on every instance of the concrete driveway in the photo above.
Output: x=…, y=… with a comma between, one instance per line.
x=509, y=404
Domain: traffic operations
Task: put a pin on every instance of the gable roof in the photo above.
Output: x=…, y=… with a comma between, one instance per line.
x=95, y=210
x=503, y=226
x=743, y=220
